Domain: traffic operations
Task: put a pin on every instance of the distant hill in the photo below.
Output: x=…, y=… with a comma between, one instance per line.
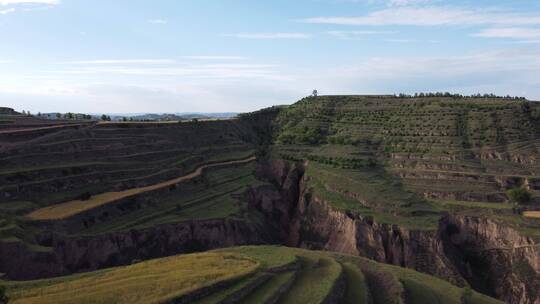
x=173, y=116
x=8, y=111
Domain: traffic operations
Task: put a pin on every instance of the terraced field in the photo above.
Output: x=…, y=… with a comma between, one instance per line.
x=262, y=274
x=96, y=179
x=446, y=186
x=68, y=209
x=404, y=160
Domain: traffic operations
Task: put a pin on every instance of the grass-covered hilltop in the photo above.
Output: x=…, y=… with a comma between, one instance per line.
x=405, y=158
x=249, y=275
x=441, y=184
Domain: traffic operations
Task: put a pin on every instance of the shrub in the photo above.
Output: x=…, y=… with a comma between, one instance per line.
x=85, y=196
x=519, y=195
x=3, y=297
x=467, y=294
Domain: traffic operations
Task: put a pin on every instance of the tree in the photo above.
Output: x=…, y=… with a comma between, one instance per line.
x=105, y=117
x=85, y=196
x=58, y=115
x=315, y=93
x=519, y=195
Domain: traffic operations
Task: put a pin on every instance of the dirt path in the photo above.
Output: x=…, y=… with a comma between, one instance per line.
x=71, y=208
x=532, y=214
x=9, y=131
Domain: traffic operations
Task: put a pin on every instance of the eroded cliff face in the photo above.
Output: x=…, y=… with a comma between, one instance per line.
x=493, y=258
x=316, y=225
x=487, y=255
x=69, y=255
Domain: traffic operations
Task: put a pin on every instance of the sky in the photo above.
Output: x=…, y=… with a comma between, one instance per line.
x=156, y=56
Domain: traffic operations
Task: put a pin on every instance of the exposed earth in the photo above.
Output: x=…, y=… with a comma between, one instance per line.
x=419, y=183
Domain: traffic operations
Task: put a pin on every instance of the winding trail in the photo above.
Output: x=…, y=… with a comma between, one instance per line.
x=32, y=129
x=71, y=208
x=532, y=214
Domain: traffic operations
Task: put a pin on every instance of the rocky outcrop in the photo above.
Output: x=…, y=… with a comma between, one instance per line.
x=487, y=255
x=316, y=225
x=490, y=257
x=494, y=259
x=524, y=159
x=67, y=256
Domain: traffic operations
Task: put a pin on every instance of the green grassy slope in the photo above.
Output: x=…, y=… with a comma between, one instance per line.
x=264, y=274
x=406, y=160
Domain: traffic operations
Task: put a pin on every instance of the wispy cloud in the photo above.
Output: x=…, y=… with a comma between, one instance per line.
x=122, y=61
x=182, y=70
x=12, y=2
x=523, y=34
x=401, y=40
x=215, y=57
x=352, y=35
x=406, y=2
x=7, y=11
x=431, y=16
x=158, y=21
x=269, y=36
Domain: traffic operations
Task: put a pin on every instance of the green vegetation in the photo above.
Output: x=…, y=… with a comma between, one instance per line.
x=402, y=160
x=357, y=289
x=519, y=195
x=153, y=281
x=406, y=159
x=248, y=275
x=4, y=299
x=86, y=202
x=315, y=280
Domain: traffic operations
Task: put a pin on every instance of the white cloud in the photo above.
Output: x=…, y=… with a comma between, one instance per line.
x=122, y=61
x=351, y=35
x=158, y=21
x=215, y=57
x=512, y=71
x=525, y=34
x=401, y=40
x=197, y=86
x=270, y=36
x=7, y=11
x=12, y=2
x=406, y=2
x=431, y=16
x=186, y=71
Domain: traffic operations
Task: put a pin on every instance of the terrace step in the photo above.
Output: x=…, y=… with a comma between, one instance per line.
x=236, y=292
x=271, y=291
x=356, y=290
x=323, y=277
x=384, y=286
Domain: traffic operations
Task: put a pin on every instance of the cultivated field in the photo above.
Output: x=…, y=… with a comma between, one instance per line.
x=263, y=274
x=65, y=210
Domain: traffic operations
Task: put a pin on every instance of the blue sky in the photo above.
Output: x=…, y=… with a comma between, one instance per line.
x=121, y=56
